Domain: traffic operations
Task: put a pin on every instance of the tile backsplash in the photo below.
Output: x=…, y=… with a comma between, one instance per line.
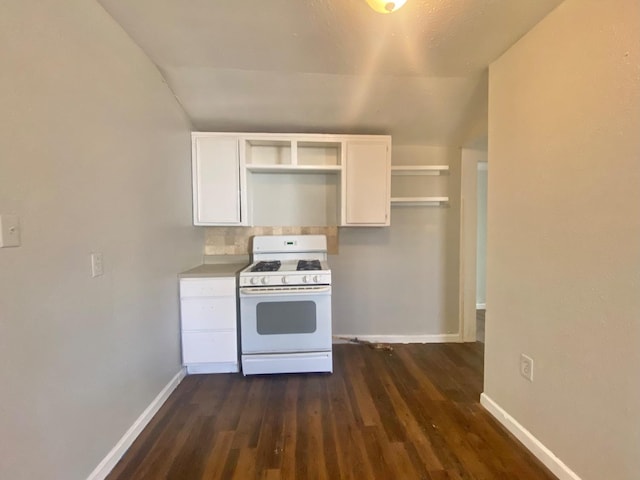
x=237, y=240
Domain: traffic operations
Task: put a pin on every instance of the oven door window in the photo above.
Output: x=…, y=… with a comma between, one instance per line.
x=288, y=317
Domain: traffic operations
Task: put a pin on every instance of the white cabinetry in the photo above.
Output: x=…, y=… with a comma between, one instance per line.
x=268, y=179
x=208, y=311
x=216, y=179
x=367, y=182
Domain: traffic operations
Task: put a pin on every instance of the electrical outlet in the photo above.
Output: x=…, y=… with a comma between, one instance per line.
x=97, y=267
x=526, y=367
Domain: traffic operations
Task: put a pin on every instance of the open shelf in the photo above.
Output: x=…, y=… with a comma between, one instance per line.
x=281, y=168
x=268, y=152
x=315, y=153
x=418, y=201
x=409, y=185
x=290, y=154
x=419, y=169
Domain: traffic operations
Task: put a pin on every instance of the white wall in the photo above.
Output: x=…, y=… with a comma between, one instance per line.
x=403, y=280
x=94, y=156
x=563, y=258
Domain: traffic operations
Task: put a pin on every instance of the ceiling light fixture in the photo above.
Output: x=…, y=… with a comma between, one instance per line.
x=383, y=6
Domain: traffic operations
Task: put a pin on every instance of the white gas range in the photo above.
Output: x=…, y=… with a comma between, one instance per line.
x=285, y=306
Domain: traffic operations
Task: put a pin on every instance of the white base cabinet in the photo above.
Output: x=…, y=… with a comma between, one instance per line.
x=208, y=311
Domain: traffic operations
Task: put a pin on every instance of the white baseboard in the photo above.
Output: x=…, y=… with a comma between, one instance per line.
x=532, y=444
x=481, y=306
x=439, y=338
x=116, y=453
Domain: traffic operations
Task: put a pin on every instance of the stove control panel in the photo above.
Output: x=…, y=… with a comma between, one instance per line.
x=279, y=279
x=311, y=279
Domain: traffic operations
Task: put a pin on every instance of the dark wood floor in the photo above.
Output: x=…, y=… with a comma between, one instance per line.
x=411, y=413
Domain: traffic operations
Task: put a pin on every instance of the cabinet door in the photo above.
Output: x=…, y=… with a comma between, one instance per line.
x=208, y=287
x=216, y=181
x=209, y=347
x=367, y=183
x=217, y=313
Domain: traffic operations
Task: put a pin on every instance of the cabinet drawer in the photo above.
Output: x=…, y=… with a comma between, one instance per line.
x=208, y=287
x=218, y=313
x=207, y=347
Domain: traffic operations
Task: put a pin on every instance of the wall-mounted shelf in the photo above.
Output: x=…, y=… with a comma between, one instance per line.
x=409, y=185
x=280, y=168
x=419, y=169
x=418, y=201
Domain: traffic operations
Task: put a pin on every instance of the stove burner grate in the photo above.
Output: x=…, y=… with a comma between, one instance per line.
x=308, y=265
x=266, y=266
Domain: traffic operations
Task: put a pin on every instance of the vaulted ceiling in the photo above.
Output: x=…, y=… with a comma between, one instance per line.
x=331, y=66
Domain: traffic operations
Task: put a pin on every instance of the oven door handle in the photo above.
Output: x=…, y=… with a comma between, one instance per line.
x=280, y=291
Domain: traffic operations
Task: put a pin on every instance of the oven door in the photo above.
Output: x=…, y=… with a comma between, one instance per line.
x=285, y=319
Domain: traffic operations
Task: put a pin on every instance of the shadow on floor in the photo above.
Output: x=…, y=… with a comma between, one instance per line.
x=480, y=325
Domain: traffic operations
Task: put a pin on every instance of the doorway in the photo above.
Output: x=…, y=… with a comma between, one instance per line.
x=473, y=227
x=481, y=248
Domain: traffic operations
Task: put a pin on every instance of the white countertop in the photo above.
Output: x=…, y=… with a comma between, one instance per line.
x=214, y=270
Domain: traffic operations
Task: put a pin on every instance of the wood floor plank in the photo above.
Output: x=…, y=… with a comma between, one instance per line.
x=290, y=407
x=361, y=399
x=246, y=466
x=247, y=429
x=271, y=439
x=407, y=365
x=410, y=413
x=330, y=453
x=190, y=460
x=394, y=386
x=388, y=415
x=310, y=462
x=216, y=463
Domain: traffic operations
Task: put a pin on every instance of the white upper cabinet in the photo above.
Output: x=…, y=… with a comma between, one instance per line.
x=216, y=179
x=366, y=196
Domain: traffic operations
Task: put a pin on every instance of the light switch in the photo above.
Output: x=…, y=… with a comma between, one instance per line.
x=97, y=268
x=9, y=231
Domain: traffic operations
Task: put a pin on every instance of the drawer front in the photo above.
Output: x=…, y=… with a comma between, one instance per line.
x=207, y=287
x=208, y=347
x=217, y=313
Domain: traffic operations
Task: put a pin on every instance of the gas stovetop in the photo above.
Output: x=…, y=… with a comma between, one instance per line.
x=287, y=260
x=276, y=265
x=267, y=266
x=286, y=272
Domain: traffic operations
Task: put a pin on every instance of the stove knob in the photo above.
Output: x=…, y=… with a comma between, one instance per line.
x=265, y=280
x=305, y=279
x=316, y=279
x=285, y=280
x=255, y=280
